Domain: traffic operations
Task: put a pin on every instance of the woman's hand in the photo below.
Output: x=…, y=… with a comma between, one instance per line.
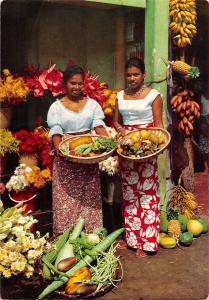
x=121, y=132
x=56, y=140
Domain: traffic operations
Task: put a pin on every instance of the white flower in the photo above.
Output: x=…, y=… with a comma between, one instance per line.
x=132, y=177
x=110, y=165
x=132, y=209
x=145, y=201
x=147, y=185
x=148, y=170
x=111, y=132
x=149, y=246
x=150, y=217
x=128, y=193
x=131, y=239
x=151, y=231
x=134, y=223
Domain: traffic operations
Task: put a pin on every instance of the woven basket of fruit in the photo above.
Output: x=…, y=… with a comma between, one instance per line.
x=87, y=149
x=142, y=144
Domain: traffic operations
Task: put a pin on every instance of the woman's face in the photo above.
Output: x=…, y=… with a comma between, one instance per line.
x=74, y=85
x=134, y=77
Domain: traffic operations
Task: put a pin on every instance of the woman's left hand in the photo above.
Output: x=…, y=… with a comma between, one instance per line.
x=100, y=130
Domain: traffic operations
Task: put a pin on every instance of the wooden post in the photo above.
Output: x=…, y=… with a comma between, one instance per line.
x=156, y=48
x=119, y=50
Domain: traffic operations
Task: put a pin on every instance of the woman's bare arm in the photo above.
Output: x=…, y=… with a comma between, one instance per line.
x=157, y=109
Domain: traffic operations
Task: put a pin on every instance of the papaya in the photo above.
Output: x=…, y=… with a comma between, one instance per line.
x=163, y=221
x=167, y=242
x=186, y=238
x=195, y=227
x=183, y=220
x=205, y=225
x=80, y=141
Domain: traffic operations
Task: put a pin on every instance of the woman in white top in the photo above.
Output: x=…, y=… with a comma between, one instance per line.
x=139, y=106
x=76, y=187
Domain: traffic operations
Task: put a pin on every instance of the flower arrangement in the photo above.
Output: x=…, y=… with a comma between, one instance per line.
x=8, y=143
x=25, y=177
x=33, y=143
x=110, y=165
x=109, y=105
x=13, y=89
x=47, y=79
x=20, y=249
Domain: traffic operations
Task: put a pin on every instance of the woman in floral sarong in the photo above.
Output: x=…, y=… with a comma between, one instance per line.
x=76, y=187
x=139, y=106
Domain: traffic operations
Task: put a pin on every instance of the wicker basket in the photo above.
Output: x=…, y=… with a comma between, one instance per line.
x=64, y=151
x=168, y=139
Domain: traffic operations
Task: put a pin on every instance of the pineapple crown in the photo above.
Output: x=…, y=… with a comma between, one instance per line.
x=173, y=213
x=194, y=72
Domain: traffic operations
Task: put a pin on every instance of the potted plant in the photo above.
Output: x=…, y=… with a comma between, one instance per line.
x=23, y=186
x=13, y=91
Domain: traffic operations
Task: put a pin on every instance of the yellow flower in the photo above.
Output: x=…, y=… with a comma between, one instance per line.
x=10, y=244
x=18, y=248
x=108, y=111
x=7, y=273
x=2, y=268
x=28, y=274
x=18, y=266
x=36, y=169
x=13, y=256
x=26, y=246
x=46, y=173
x=6, y=72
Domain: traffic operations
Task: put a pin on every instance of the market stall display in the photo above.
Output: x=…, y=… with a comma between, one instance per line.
x=81, y=263
x=87, y=149
x=181, y=222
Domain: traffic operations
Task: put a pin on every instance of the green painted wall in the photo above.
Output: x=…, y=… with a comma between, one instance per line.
x=156, y=48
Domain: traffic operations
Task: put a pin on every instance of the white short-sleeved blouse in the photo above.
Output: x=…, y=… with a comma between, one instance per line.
x=62, y=120
x=137, y=112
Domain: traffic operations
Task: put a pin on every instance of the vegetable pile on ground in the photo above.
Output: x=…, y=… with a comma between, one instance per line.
x=81, y=263
x=142, y=143
x=90, y=147
x=181, y=222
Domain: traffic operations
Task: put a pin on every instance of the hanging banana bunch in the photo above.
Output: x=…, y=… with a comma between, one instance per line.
x=187, y=109
x=183, y=21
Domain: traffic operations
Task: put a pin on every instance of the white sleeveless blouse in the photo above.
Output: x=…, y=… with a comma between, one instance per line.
x=137, y=112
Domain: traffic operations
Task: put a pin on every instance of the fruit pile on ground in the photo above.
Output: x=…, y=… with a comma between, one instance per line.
x=176, y=228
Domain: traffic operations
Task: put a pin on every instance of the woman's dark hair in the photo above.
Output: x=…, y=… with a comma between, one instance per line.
x=71, y=71
x=135, y=62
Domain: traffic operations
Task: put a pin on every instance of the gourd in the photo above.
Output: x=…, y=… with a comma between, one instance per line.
x=195, y=227
x=168, y=242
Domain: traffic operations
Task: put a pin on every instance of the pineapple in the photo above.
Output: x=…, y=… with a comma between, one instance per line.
x=185, y=69
x=174, y=228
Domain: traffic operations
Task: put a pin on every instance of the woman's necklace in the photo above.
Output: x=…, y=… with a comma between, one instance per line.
x=138, y=93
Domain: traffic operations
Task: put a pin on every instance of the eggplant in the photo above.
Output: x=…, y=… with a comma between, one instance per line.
x=66, y=264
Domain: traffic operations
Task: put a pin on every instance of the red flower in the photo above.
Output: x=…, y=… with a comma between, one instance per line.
x=94, y=89
x=33, y=143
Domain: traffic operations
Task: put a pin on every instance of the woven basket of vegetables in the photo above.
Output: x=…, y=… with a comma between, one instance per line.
x=142, y=144
x=82, y=265
x=88, y=148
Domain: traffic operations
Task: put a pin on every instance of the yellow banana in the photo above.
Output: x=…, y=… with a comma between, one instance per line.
x=188, y=41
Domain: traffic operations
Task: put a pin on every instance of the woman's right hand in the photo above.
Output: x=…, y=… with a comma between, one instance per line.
x=121, y=133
